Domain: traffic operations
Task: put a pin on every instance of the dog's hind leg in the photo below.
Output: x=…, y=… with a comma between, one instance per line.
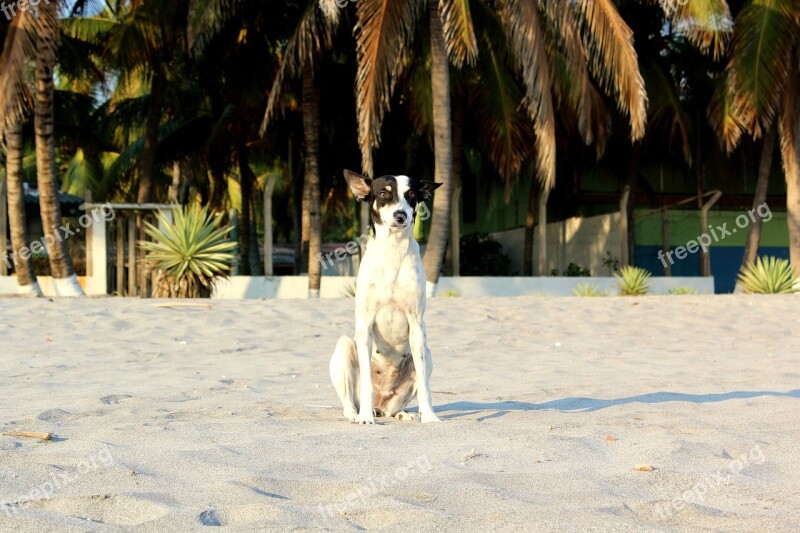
x=344, y=375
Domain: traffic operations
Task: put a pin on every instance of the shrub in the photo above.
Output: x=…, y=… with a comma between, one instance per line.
x=586, y=289
x=682, y=291
x=189, y=254
x=633, y=281
x=768, y=275
x=481, y=255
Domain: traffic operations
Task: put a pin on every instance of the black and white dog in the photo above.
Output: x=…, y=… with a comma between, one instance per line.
x=388, y=362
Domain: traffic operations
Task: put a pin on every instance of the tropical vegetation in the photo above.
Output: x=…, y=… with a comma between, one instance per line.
x=769, y=275
x=189, y=252
x=197, y=102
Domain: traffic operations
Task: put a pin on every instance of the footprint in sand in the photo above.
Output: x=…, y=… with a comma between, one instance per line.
x=210, y=518
x=114, y=398
x=104, y=508
x=240, y=514
x=55, y=415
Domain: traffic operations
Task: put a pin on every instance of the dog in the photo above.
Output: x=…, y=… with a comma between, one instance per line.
x=388, y=362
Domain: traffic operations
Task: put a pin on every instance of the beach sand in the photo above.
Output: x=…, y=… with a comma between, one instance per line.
x=188, y=418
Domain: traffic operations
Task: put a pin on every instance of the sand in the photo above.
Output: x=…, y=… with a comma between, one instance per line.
x=672, y=413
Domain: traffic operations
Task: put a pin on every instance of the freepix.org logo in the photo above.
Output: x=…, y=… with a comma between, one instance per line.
x=10, y=10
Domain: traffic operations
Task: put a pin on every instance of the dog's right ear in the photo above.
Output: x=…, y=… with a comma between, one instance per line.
x=359, y=184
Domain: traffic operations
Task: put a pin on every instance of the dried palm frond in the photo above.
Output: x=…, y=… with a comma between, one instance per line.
x=522, y=23
x=313, y=34
x=458, y=31
x=384, y=33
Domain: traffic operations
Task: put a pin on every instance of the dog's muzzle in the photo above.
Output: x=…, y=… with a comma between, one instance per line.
x=400, y=217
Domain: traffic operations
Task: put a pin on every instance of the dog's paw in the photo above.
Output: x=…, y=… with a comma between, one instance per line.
x=367, y=418
x=429, y=417
x=405, y=417
x=351, y=415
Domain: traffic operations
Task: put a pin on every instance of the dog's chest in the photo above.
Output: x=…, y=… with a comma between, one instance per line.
x=388, y=277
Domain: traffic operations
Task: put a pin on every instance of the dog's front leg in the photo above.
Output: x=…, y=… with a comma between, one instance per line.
x=423, y=364
x=366, y=406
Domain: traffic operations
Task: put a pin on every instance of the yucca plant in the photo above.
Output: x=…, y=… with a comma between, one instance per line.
x=349, y=290
x=768, y=275
x=633, y=281
x=589, y=290
x=682, y=291
x=188, y=254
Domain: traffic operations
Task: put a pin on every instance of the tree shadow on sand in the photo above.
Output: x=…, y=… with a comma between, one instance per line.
x=585, y=405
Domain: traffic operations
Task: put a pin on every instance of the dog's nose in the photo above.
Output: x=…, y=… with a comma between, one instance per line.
x=400, y=217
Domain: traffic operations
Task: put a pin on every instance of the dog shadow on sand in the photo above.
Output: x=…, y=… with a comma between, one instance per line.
x=586, y=405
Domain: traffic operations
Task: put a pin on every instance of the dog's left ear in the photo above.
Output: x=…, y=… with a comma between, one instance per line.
x=427, y=188
x=359, y=184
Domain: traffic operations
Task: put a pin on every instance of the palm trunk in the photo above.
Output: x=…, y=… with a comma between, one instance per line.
x=455, y=202
x=633, y=175
x=442, y=150
x=148, y=164
x=297, y=208
x=760, y=197
x=26, y=277
x=256, y=266
x=64, y=280
x=790, y=151
x=246, y=184
x=312, y=185
x=530, y=225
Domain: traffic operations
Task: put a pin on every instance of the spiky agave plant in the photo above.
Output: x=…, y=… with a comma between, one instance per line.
x=633, y=281
x=189, y=254
x=588, y=290
x=768, y=275
x=682, y=291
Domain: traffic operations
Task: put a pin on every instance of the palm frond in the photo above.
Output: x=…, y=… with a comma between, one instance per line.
x=723, y=120
x=313, y=34
x=613, y=60
x=18, y=50
x=206, y=19
x=503, y=128
x=706, y=23
x=765, y=33
x=574, y=86
x=384, y=33
x=459, y=34
x=667, y=112
x=522, y=23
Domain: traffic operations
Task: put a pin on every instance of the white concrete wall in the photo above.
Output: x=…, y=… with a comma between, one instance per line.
x=583, y=241
x=338, y=286
x=8, y=286
x=255, y=287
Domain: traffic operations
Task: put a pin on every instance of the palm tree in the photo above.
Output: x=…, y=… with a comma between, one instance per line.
x=14, y=101
x=36, y=36
x=596, y=41
x=765, y=90
x=312, y=34
x=26, y=277
x=64, y=278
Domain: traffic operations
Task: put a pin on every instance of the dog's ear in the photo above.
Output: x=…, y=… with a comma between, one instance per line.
x=359, y=184
x=427, y=188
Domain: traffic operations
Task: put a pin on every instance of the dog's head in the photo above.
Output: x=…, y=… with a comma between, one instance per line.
x=392, y=200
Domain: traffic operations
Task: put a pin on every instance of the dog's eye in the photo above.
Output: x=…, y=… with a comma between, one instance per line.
x=383, y=194
x=411, y=195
